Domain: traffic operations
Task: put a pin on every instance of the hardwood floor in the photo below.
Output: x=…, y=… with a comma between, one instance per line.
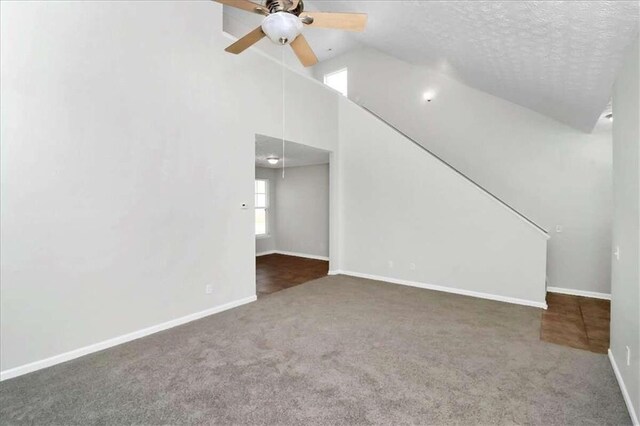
x=275, y=272
x=578, y=322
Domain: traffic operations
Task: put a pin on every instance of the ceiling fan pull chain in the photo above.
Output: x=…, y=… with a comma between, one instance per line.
x=283, y=113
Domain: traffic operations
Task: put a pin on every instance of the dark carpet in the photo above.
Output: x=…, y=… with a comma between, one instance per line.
x=337, y=350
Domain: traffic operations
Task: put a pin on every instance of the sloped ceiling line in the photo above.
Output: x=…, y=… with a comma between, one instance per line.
x=558, y=58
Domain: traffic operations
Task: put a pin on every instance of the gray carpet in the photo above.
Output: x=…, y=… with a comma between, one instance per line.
x=337, y=350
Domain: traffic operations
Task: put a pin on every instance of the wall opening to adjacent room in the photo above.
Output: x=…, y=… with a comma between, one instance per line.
x=292, y=226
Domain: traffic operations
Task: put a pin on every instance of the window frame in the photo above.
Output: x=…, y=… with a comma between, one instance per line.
x=341, y=70
x=267, y=197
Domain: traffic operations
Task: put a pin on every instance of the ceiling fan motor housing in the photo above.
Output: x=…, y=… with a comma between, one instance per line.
x=274, y=6
x=282, y=27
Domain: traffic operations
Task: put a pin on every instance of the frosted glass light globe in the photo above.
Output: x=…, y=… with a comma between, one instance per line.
x=282, y=27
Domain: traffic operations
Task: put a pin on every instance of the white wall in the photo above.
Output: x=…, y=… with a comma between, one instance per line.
x=268, y=243
x=299, y=210
x=548, y=171
x=403, y=206
x=302, y=206
x=124, y=164
x=625, y=280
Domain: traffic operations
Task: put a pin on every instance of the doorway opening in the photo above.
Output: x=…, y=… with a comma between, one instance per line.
x=291, y=214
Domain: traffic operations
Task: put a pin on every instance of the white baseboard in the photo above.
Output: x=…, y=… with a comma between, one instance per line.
x=583, y=293
x=542, y=305
x=334, y=272
x=308, y=256
x=76, y=353
x=290, y=253
x=623, y=389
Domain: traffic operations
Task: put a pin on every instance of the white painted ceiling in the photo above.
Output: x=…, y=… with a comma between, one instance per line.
x=295, y=154
x=559, y=58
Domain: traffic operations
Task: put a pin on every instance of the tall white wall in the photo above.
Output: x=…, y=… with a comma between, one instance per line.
x=268, y=243
x=550, y=172
x=127, y=149
x=625, y=280
x=403, y=206
x=302, y=210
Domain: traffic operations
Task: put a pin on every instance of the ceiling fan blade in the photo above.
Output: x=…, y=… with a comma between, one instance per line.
x=246, y=42
x=245, y=5
x=303, y=51
x=341, y=21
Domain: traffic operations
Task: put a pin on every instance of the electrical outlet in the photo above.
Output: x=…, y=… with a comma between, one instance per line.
x=628, y=356
x=208, y=289
x=391, y=264
x=616, y=253
x=412, y=266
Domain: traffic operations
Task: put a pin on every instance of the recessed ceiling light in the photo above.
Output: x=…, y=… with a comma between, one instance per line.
x=428, y=95
x=273, y=160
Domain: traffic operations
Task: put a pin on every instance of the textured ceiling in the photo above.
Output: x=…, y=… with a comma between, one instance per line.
x=559, y=58
x=295, y=154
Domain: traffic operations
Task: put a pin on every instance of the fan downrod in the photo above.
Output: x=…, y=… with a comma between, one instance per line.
x=275, y=6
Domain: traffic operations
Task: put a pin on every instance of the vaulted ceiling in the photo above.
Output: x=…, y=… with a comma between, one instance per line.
x=559, y=58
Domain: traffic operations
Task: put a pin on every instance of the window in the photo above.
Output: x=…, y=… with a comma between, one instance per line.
x=262, y=203
x=337, y=80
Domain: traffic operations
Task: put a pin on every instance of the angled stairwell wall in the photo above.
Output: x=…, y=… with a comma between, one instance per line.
x=409, y=218
x=550, y=172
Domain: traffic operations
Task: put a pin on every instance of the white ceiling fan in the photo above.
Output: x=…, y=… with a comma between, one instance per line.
x=284, y=22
